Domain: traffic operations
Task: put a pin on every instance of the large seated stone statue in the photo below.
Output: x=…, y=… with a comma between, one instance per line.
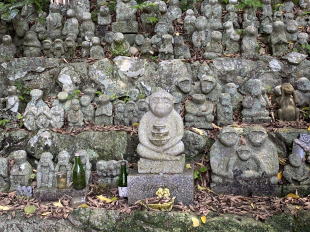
x=160, y=134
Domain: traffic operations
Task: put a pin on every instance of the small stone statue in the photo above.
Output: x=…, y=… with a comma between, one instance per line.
x=12, y=100
x=210, y=88
x=214, y=47
x=231, y=39
x=232, y=14
x=249, y=46
x=224, y=110
x=104, y=111
x=199, y=36
x=302, y=92
x=189, y=22
x=40, y=26
x=254, y=104
x=45, y=171
x=96, y=51
x=7, y=49
x=71, y=26
x=104, y=16
x=70, y=47
x=119, y=113
x=160, y=135
x=64, y=165
x=266, y=18
x=249, y=17
x=278, y=39
x=32, y=46
x=54, y=22
x=131, y=113
x=57, y=114
x=21, y=171
x=75, y=115
x=184, y=85
x=87, y=27
x=166, y=47
x=86, y=164
x=181, y=50
x=4, y=175
x=120, y=46
x=47, y=48
x=291, y=28
x=143, y=107
x=236, y=97
x=144, y=45
x=288, y=110
x=125, y=17
x=174, y=10
x=87, y=108
x=199, y=112
x=297, y=171
x=108, y=171
x=85, y=51
x=213, y=12
x=58, y=48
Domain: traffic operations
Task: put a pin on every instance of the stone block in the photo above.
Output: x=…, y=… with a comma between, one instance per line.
x=53, y=194
x=158, y=166
x=125, y=27
x=141, y=186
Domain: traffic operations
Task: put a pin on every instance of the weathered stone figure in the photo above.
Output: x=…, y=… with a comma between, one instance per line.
x=87, y=27
x=4, y=175
x=32, y=45
x=12, y=100
x=210, y=87
x=214, y=47
x=297, y=172
x=75, y=115
x=189, y=22
x=47, y=48
x=108, y=171
x=7, y=49
x=104, y=16
x=58, y=48
x=64, y=165
x=45, y=171
x=87, y=108
x=54, y=22
x=199, y=112
x=57, y=114
x=303, y=92
x=224, y=110
x=104, y=111
x=249, y=46
x=71, y=26
x=231, y=39
x=125, y=17
x=21, y=171
x=278, y=39
x=199, y=35
x=288, y=110
x=119, y=111
x=130, y=113
x=160, y=134
x=254, y=104
x=86, y=164
x=143, y=107
x=96, y=51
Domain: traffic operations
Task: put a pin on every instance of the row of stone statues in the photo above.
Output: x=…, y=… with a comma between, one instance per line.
x=212, y=31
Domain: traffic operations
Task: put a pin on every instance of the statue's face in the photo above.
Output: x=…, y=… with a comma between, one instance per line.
x=244, y=153
x=185, y=86
x=295, y=160
x=161, y=106
x=229, y=139
x=257, y=137
x=256, y=91
x=207, y=86
x=75, y=106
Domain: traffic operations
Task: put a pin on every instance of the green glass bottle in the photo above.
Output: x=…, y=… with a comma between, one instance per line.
x=122, y=181
x=78, y=175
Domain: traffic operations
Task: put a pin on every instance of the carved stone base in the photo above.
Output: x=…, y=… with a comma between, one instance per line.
x=141, y=186
x=53, y=194
x=157, y=166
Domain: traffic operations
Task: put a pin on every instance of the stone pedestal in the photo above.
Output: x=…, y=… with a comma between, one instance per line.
x=141, y=186
x=158, y=166
x=53, y=194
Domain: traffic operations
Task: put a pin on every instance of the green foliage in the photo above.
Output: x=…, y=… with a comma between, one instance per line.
x=225, y=2
x=24, y=92
x=141, y=96
x=98, y=93
x=94, y=16
x=306, y=47
x=277, y=6
x=119, y=50
x=198, y=172
x=249, y=4
x=3, y=122
x=144, y=5
x=306, y=13
x=152, y=20
x=76, y=93
x=306, y=113
x=9, y=9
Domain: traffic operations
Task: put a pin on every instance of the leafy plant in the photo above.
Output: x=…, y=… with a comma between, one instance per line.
x=224, y=2
x=3, y=122
x=306, y=47
x=198, y=172
x=306, y=112
x=74, y=94
x=98, y=93
x=249, y=4
x=9, y=9
x=24, y=92
x=144, y=5
x=152, y=20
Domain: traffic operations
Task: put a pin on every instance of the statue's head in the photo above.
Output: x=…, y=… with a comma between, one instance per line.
x=36, y=94
x=230, y=88
x=243, y=152
x=70, y=13
x=7, y=40
x=295, y=160
x=75, y=104
x=46, y=157
x=12, y=90
x=229, y=136
x=143, y=104
x=19, y=156
x=257, y=135
x=303, y=84
x=69, y=42
x=225, y=99
x=63, y=156
x=185, y=85
x=119, y=106
x=47, y=44
x=287, y=88
x=207, y=84
x=254, y=87
x=161, y=103
x=85, y=100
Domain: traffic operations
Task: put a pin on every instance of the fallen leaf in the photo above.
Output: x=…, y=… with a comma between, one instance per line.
x=200, y=188
x=30, y=209
x=195, y=221
x=135, y=124
x=252, y=205
x=198, y=131
x=188, y=166
x=292, y=195
x=58, y=204
x=4, y=208
x=215, y=126
x=279, y=175
x=83, y=206
x=46, y=213
x=203, y=219
x=105, y=199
